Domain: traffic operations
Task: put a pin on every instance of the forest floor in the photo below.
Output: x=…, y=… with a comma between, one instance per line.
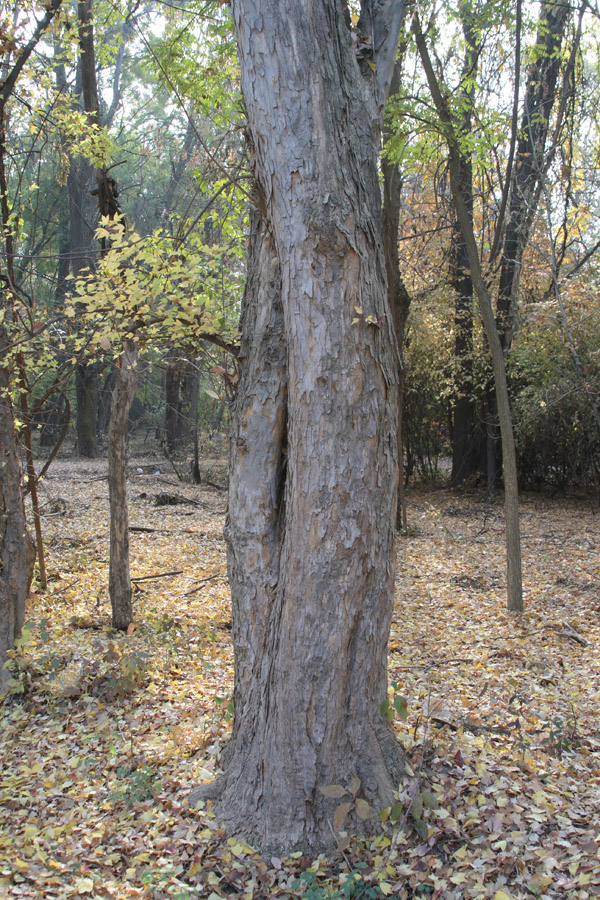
x=106, y=733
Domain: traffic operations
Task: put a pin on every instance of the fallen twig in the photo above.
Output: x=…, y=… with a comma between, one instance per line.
x=158, y=575
x=203, y=581
x=65, y=588
x=563, y=630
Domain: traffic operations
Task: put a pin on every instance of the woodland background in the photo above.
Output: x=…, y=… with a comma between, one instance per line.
x=104, y=733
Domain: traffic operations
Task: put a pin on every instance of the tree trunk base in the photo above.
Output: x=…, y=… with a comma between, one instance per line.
x=270, y=821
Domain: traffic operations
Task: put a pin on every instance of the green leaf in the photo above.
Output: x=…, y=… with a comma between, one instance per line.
x=429, y=800
x=396, y=812
x=420, y=827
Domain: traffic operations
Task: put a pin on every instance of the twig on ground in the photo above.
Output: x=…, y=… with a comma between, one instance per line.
x=203, y=581
x=158, y=575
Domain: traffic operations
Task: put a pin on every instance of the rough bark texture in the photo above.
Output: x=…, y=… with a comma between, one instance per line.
x=119, y=581
x=17, y=552
x=314, y=458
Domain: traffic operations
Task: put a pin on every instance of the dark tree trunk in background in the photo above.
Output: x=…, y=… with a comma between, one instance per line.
x=538, y=103
x=181, y=401
x=398, y=297
x=314, y=463
x=530, y=164
x=82, y=181
x=465, y=458
x=119, y=578
x=86, y=384
x=105, y=398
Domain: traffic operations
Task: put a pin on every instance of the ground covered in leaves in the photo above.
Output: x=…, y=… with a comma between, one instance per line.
x=105, y=733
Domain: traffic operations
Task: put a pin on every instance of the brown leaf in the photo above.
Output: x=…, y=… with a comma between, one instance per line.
x=363, y=810
x=340, y=816
x=332, y=790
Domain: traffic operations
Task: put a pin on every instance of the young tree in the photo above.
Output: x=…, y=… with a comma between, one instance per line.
x=17, y=553
x=314, y=462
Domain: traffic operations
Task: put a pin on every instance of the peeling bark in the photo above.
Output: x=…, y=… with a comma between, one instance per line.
x=314, y=461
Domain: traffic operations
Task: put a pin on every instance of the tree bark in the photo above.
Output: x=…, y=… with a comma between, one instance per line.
x=119, y=581
x=398, y=297
x=313, y=452
x=17, y=551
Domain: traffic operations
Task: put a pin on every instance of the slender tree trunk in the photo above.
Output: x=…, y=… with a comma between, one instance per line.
x=181, y=399
x=314, y=457
x=17, y=552
x=465, y=459
x=464, y=455
x=530, y=163
x=119, y=580
x=398, y=297
x=511, y=489
x=539, y=100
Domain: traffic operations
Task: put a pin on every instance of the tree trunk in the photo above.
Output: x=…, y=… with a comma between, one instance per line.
x=119, y=581
x=461, y=206
x=86, y=382
x=82, y=181
x=181, y=398
x=313, y=449
x=398, y=297
x=17, y=552
x=464, y=455
x=540, y=95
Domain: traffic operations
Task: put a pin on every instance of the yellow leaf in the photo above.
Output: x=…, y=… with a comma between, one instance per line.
x=363, y=810
x=386, y=888
x=502, y=895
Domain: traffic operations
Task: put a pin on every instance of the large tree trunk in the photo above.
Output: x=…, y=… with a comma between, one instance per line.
x=17, y=552
x=119, y=581
x=314, y=457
